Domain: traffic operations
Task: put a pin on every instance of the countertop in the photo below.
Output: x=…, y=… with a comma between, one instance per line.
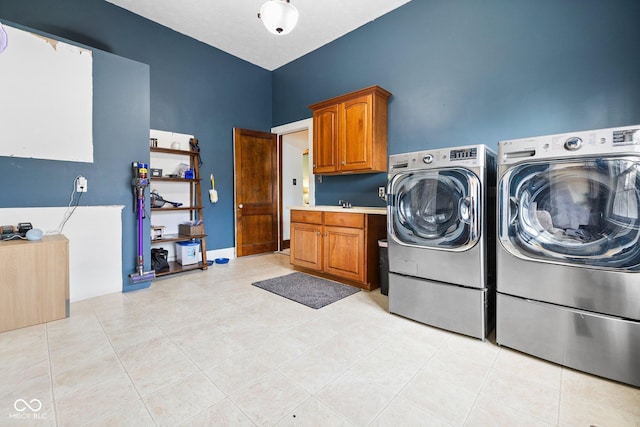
x=355, y=209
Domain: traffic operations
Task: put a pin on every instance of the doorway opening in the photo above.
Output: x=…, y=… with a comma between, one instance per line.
x=295, y=173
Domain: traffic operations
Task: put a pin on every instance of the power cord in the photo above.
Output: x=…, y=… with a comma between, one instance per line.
x=69, y=212
x=13, y=237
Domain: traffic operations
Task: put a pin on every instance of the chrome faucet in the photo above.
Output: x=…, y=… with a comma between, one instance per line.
x=344, y=204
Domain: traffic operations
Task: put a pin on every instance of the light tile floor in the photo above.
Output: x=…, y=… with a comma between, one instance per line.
x=207, y=348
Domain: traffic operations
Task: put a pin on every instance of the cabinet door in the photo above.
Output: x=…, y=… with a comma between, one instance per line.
x=356, y=134
x=344, y=252
x=325, y=140
x=306, y=245
x=34, y=282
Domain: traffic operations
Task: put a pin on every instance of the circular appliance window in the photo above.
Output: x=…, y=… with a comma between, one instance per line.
x=585, y=213
x=435, y=209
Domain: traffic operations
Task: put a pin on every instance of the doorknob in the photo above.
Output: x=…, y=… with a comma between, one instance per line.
x=240, y=206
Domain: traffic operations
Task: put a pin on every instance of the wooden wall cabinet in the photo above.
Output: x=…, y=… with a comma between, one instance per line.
x=338, y=245
x=34, y=281
x=350, y=133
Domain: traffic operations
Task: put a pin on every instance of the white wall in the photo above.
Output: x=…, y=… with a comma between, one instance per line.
x=47, y=93
x=95, y=246
x=293, y=146
x=300, y=126
x=305, y=125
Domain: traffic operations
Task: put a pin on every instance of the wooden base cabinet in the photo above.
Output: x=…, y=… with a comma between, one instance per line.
x=341, y=246
x=34, y=281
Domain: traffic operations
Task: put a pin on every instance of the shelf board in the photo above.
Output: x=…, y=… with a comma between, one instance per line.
x=181, y=208
x=172, y=179
x=177, y=238
x=174, y=268
x=172, y=151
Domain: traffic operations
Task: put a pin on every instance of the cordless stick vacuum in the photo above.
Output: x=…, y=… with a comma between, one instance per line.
x=139, y=183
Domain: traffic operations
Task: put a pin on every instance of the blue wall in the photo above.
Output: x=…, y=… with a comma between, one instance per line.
x=469, y=72
x=194, y=89
x=120, y=135
x=461, y=72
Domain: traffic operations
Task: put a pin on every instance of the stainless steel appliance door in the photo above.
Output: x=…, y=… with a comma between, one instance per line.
x=436, y=209
x=583, y=213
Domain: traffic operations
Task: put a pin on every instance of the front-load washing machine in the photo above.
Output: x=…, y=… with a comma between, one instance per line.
x=441, y=238
x=568, y=258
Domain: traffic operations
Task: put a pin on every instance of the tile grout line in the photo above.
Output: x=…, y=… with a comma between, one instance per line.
x=302, y=403
x=255, y=381
x=313, y=396
x=562, y=374
x=397, y=395
x=168, y=385
x=362, y=358
x=199, y=369
x=340, y=376
x=482, y=385
x=277, y=372
x=53, y=392
x=108, y=310
x=123, y=367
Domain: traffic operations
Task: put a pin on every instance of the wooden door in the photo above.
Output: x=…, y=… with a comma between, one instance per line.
x=256, y=191
x=325, y=140
x=344, y=252
x=355, y=138
x=306, y=245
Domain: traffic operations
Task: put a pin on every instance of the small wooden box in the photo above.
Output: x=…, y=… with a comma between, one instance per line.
x=190, y=230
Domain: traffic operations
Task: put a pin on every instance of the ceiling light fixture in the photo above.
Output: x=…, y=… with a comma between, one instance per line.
x=279, y=16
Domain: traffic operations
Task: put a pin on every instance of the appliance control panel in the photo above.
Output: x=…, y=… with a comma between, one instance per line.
x=464, y=154
x=569, y=145
x=469, y=156
x=626, y=136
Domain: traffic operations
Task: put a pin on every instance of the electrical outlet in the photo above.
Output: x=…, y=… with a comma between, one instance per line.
x=81, y=184
x=381, y=192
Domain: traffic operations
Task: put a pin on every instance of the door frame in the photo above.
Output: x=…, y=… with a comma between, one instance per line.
x=300, y=125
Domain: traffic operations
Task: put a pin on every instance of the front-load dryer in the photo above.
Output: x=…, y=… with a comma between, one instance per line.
x=568, y=258
x=441, y=237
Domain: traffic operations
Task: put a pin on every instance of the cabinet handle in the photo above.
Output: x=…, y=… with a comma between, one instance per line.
x=343, y=163
x=240, y=206
x=325, y=234
x=318, y=233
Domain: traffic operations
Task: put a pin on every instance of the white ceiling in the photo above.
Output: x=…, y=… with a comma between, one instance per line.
x=233, y=25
